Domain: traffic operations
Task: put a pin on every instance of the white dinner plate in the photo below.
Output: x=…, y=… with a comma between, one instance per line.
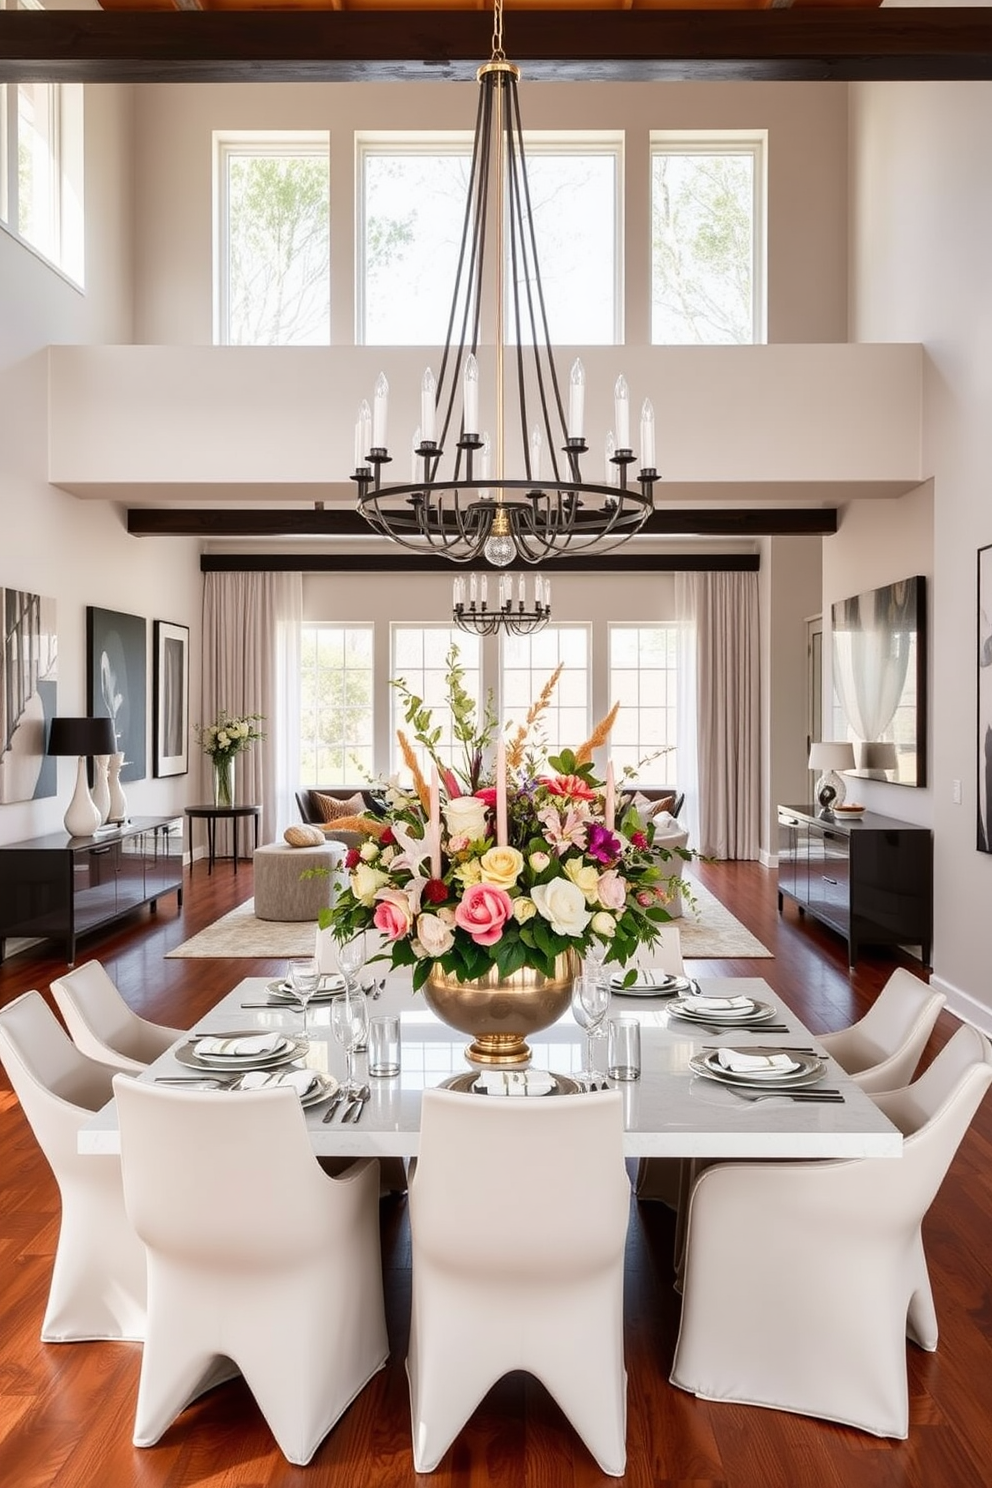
x=329, y=986
x=323, y=1087
x=811, y=1069
x=288, y=1049
x=661, y=984
x=759, y=1012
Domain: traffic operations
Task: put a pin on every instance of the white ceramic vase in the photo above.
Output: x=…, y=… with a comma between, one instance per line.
x=101, y=785
x=118, y=800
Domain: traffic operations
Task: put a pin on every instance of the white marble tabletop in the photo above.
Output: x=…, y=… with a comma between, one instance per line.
x=668, y=1112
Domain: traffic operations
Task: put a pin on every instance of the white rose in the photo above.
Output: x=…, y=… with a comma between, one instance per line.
x=434, y=935
x=364, y=883
x=368, y=852
x=563, y=905
x=604, y=925
x=466, y=816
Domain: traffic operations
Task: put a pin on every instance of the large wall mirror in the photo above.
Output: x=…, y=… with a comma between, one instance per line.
x=879, y=667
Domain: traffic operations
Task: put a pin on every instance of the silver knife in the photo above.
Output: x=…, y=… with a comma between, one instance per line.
x=354, y=1111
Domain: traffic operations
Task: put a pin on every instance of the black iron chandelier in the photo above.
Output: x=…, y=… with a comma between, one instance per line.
x=470, y=510
x=510, y=612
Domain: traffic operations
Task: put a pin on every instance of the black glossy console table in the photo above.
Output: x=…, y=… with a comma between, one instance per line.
x=60, y=887
x=212, y=815
x=870, y=878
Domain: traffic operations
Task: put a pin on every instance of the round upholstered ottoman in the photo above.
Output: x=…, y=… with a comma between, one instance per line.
x=281, y=891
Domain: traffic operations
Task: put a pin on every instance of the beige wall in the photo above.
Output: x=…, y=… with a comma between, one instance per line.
x=77, y=552
x=922, y=223
x=806, y=168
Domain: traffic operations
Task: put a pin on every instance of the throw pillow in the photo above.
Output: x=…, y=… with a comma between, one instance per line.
x=647, y=808
x=331, y=809
x=304, y=836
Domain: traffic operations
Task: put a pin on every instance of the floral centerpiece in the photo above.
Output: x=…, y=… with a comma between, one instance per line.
x=503, y=864
x=222, y=742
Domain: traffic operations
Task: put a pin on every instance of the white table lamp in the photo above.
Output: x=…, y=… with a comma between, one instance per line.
x=83, y=737
x=829, y=756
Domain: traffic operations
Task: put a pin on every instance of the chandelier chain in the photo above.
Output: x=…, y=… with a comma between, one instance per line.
x=498, y=53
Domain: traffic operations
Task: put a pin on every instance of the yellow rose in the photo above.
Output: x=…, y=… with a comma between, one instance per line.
x=501, y=866
x=470, y=872
x=524, y=909
x=364, y=883
x=585, y=877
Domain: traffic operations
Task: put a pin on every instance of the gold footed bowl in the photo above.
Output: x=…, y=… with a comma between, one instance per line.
x=497, y=1011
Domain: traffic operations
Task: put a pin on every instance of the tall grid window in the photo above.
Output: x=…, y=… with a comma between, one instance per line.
x=412, y=204
x=707, y=240
x=273, y=263
x=526, y=663
x=41, y=167
x=419, y=658
x=336, y=687
x=643, y=679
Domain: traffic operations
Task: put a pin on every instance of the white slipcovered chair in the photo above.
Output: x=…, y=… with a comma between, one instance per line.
x=881, y=1051
x=258, y=1262
x=98, y=1278
x=519, y=1263
x=803, y=1280
x=102, y=1025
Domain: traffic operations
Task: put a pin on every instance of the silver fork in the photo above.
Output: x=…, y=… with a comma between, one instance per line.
x=810, y=1097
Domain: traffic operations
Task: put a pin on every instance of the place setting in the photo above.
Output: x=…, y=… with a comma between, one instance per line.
x=652, y=981
x=715, y=1013
x=761, y=1073
x=250, y=1060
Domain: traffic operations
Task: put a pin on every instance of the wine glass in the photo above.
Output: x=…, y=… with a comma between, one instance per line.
x=592, y=961
x=351, y=955
x=590, y=1004
x=304, y=978
x=350, y=1023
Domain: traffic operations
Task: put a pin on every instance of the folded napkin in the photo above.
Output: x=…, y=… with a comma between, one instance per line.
x=302, y=1081
x=250, y=1046
x=718, y=1004
x=516, y=1082
x=740, y=1063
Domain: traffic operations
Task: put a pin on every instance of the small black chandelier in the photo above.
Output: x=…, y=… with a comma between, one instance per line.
x=473, y=511
x=511, y=613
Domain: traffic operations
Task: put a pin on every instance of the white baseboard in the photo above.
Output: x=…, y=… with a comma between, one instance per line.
x=767, y=859
x=964, y=1006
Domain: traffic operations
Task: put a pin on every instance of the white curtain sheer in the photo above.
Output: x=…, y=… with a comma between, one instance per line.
x=718, y=711
x=251, y=664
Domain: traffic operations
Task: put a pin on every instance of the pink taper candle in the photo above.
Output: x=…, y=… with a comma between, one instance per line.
x=501, y=827
x=435, y=824
x=610, y=803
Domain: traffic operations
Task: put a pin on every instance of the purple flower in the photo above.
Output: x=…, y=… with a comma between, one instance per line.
x=602, y=845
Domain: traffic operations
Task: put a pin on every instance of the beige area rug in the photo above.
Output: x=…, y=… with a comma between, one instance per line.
x=712, y=932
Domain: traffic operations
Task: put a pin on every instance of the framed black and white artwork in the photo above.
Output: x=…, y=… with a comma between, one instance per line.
x=117, y=682
x=28, y=686
x=984, y=838
x=170, y=698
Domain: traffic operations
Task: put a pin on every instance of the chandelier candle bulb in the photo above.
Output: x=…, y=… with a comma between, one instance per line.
x=612, y=474
x=428, y=405
x=520, y=591
x=380, y=411
x=647, y=435
x=621, y=406
x=470, y=394
x=363, y=434
x=576, y=400
x=484, y=590
x=473, y=589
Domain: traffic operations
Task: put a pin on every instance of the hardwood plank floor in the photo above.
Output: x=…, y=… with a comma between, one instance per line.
x=66, y=1410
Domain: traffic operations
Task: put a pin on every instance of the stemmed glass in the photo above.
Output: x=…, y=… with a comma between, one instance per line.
x=590, y=1004
x=351, y=957
x=304, y=978
x=350, y=1023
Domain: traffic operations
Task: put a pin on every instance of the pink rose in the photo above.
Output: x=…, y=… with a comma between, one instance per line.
x=392, y=914
x=483, y=912
x=645, y=898
x=612, y=890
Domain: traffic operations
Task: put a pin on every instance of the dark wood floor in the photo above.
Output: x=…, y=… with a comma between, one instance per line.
x=66, y=1410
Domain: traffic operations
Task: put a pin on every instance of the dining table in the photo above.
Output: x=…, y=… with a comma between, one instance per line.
x=670, y=1111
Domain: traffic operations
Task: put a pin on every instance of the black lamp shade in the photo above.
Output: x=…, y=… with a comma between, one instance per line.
x=85, y=736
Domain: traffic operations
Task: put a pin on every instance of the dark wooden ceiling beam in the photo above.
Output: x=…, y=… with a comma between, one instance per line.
x=145, y=521
x=393, y=562
x=355, y=46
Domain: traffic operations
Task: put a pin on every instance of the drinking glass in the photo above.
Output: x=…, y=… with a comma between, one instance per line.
x=304, y=978
x=590, y=1003
x=624, y=1058
x=350, y=1022
x=351, y=957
